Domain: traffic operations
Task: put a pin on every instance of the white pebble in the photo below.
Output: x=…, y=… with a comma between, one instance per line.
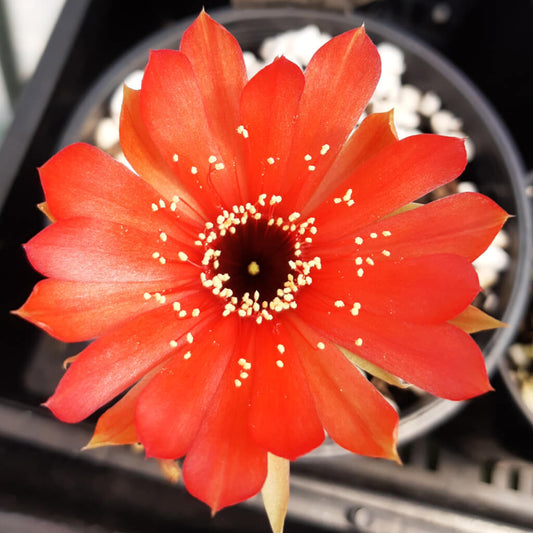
x=406, y=132
x=429, y=104
x=487, y=277
x=470, y=149
x=493, y=261
x=466, y=186
x=307, y=41
x=406, y=119
x=502, y=239
x=392, y=59
x=493, y=257
x=133, y=81
x=106, y=134
x=121, y=158
x=297, y=45
x=383, y=105
x=410, y=97
x=444, y=122
x=388, y=87
x=253, y=65
x=518, y=354
x=527, y=392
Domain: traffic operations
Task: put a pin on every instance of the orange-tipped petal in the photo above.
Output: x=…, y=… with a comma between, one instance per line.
x=100, y=187
x=398, y=174
x=375, y=133
x=172, y=407
x=269, y=108
x=86, y=249
x=438, y=358
x=143, y=155
x=217, y=61
x=117, y=360
x=353, y=412
x=283, y=417
x=224, y=465
x=45, y=209
x=275, y=492
x=112, y=431
x=339, y=81
x=170, y=96
x=170, y=469
x=464, y=224
x=472, y=320
x=72, y=311
x=427, y=290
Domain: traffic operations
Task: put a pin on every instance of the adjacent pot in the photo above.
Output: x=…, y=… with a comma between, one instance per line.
x=497, y=169
x=516, y=368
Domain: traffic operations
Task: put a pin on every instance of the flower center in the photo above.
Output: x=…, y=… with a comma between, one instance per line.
x=256, y=257
x=256, y=261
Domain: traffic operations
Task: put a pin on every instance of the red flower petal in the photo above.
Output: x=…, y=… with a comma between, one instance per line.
x=83, y=249
x=463, y=224
x=283, y=418
x=117, y=360
x=353, y=412
x=375, y=132
x=217, y=61
x=143, y=155
x=427, y=289
x=72, y=311
x=170, y=96
x=269, y=107
x=224, y=465
x=100, y=187
x=339, y=81
x=398, y=174
x=172, y=407
x=440, y=359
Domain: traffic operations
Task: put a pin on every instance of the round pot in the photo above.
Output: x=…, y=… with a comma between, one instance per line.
x=510, y=367
x=497, y=169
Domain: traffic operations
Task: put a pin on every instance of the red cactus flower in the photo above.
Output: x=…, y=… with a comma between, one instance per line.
x=259, y=250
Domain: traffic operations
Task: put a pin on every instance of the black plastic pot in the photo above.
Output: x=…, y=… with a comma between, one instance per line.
x=497, y=168
x=508, y=368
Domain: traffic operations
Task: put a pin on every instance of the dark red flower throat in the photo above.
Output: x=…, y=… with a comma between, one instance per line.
x=255, y=261
x=256, y=257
